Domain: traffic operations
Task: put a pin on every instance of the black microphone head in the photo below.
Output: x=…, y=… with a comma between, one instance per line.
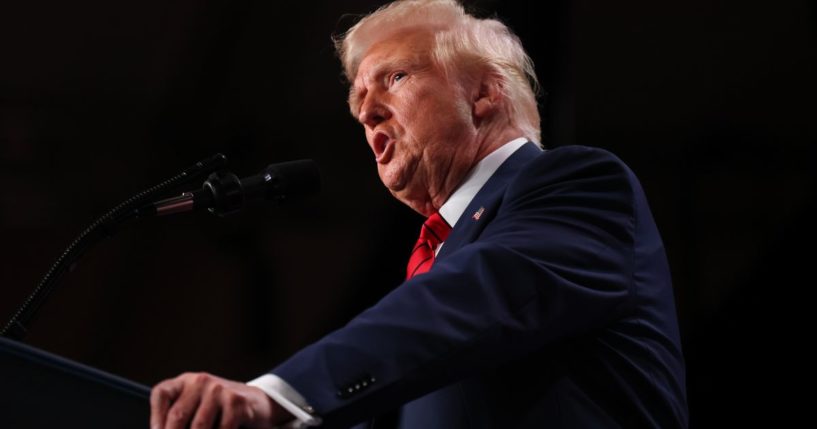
x=291, y=180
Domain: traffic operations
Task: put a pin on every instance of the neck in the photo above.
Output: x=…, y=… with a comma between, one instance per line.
x=486, y=143
x=494, y=141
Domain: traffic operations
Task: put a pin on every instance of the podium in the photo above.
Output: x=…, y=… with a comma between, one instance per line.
x=41, y=390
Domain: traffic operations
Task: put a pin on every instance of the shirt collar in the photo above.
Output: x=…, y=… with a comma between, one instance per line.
x=476, y=178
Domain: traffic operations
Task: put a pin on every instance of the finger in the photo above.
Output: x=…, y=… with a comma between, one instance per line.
x=209, y=407
x=234, y=410
x=184, y=408
x=161, y=396
x=229, y=419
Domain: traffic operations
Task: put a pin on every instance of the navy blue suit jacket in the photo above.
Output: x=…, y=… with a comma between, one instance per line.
x=552, y=308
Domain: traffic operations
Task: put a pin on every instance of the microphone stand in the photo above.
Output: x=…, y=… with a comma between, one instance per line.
x=104, y=227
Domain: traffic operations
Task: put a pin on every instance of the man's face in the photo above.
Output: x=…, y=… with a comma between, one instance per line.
x=418, y=122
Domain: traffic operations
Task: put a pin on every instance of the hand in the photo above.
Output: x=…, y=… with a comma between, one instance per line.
x=205, y=401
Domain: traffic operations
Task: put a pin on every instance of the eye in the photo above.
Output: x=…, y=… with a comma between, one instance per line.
x=397, y=77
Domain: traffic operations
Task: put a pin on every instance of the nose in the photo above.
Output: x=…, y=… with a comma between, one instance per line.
x=373, y=112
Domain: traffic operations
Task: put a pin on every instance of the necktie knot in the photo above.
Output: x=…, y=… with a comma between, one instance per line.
x=434, y=231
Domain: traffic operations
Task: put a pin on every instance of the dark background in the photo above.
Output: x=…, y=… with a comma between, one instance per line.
x=711, y=102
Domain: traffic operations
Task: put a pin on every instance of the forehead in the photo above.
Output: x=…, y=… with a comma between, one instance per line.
x=403, y=48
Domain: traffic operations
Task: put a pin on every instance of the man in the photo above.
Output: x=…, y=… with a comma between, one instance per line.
x=548, y=304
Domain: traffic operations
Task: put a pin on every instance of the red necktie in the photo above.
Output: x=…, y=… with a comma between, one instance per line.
x=434, y=231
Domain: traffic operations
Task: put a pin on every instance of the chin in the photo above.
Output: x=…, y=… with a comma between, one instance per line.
x=394, y=181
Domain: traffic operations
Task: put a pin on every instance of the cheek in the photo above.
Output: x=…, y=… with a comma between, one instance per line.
x=435, y=116
x=432, y=121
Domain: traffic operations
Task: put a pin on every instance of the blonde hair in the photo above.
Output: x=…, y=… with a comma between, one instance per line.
x=460, y=40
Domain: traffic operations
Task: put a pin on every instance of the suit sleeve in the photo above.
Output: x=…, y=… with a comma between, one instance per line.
x=553, y=261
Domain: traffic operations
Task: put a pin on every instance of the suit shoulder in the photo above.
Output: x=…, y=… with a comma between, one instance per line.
x=575, y=162
x=582, y=156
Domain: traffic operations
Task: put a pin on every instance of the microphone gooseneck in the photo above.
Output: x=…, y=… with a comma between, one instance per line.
x=222, y=193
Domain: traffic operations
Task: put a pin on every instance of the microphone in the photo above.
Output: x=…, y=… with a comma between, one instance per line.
x=223, y=193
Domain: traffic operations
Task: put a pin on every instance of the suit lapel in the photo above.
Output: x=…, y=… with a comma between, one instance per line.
x=485, y=204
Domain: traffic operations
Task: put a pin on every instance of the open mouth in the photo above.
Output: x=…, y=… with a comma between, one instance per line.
x=383, y=147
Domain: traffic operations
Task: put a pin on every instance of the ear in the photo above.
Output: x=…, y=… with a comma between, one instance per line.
x=487, y=97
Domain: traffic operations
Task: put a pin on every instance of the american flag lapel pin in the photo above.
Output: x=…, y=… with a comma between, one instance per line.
x=478, y=213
